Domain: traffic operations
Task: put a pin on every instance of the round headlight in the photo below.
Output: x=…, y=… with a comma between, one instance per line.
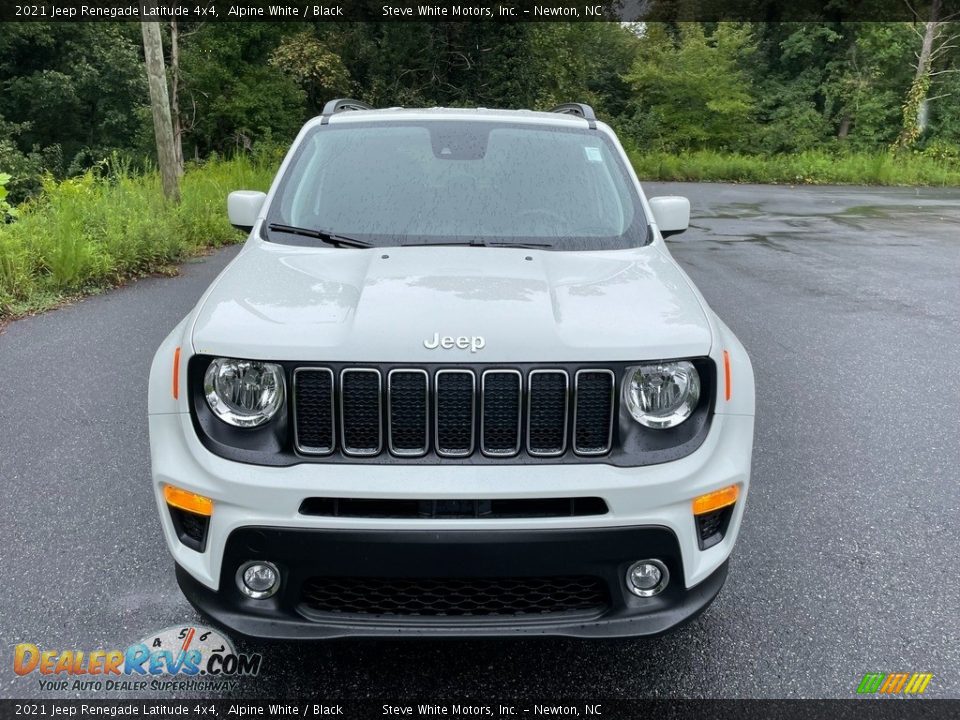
x=243, y=393
x=662, y=395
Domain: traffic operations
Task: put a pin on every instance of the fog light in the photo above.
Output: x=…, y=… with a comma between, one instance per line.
x=647, y=578
x=258, y=579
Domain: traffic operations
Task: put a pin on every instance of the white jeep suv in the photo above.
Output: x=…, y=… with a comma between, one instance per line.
x=453, y=384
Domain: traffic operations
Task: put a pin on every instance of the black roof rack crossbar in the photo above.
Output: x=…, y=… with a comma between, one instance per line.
x=580, y=110
x=339, y=105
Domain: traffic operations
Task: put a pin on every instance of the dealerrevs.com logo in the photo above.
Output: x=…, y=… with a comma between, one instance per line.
x=894, y=683
x=171, y=659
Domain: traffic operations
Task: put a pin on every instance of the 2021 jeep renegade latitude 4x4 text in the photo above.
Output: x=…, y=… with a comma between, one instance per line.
x=453, y=384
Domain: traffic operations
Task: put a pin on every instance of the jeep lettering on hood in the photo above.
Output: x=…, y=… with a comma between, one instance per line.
x=448, y=342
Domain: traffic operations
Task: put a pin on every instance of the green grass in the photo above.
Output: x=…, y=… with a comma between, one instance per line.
x=90, y=233
x=811, y=167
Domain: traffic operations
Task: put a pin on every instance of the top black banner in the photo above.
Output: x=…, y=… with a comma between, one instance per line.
x=505, y=11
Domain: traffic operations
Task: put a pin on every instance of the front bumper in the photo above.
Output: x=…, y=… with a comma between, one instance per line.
x=250, y=495
x=308, y=556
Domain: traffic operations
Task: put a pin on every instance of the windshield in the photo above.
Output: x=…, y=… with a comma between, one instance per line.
x=456, y=182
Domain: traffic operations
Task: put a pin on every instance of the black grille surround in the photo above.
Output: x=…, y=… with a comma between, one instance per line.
x=471, y=421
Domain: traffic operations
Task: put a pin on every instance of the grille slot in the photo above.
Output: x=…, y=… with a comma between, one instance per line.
x=454, y=397
x=455, y=597
x=547, y=412
x=593, y=412
x=360, y=411
x=453, y=509
x=313, y=410
x=500, y=413
x=407, y=399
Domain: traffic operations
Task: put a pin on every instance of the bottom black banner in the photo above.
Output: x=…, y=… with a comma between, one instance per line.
x=888, y=709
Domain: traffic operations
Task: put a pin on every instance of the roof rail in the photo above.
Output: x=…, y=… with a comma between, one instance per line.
x=580, y=110
x=339, y=105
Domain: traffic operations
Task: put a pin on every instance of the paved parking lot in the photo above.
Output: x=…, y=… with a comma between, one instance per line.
x=847, y=300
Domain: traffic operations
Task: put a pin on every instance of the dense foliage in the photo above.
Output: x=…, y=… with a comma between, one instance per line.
x=73, y=95
x=97, y=229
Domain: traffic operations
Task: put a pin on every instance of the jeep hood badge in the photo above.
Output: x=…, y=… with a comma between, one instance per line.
x=461, y=342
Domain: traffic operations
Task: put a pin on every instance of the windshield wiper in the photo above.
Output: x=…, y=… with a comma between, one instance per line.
x=476, y=242
x=321, y=235
x=480, y=242
x=528, y=245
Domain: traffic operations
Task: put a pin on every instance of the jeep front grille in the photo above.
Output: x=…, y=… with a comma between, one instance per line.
x=453, y=412
x=455, y=597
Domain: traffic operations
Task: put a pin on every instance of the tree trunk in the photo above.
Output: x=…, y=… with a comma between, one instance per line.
x=844, y=130
x=160, y=105
x=175, y=94
x=913, y=106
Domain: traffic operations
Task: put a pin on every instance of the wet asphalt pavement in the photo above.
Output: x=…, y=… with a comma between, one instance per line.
x=847, y=300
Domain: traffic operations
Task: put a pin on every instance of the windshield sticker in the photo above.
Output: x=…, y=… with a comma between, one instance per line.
x=593, y=154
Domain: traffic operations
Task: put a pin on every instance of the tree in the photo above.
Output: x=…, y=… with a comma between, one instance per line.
x=235, y=97
x=160, y=107
x=935, y=40
x=691, y=90
x=319, y=71
x=582, y=62
x=175, y=94
x=862, y=87
x=72, y=91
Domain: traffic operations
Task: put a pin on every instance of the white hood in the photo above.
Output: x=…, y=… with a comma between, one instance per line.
x=280, y=302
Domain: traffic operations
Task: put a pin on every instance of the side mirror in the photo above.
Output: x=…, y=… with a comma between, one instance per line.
x=671, y=213
x=243, y=207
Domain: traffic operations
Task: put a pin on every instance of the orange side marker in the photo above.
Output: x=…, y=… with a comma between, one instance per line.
x=726, y=372
x=186, y=500
x=716, y=500
x=176, y=375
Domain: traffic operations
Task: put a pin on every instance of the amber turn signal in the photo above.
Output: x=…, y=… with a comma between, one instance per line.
x=186, y=500
x=716, y=500
x=726, y=375
x=176, y=374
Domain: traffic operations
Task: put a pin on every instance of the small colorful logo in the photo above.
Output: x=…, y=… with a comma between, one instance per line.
x=177, y=650
x=894, y=683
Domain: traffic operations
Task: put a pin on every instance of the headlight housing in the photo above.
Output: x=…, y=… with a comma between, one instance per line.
x=661, y=395
x=244, y=393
